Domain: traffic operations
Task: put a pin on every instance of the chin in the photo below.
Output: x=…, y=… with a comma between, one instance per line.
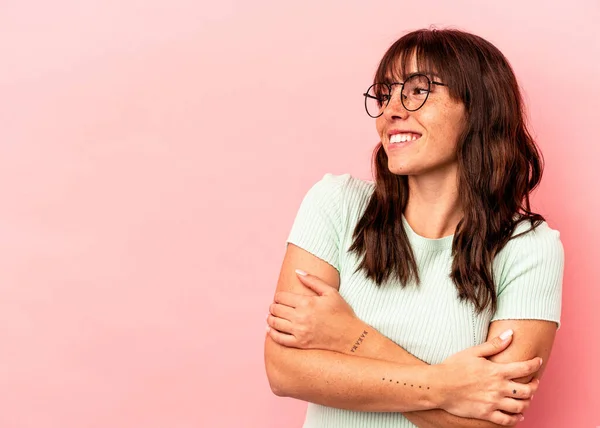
x=401, y=169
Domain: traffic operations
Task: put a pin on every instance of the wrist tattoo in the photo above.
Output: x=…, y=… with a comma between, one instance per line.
x=412, y=385
x=359, y=341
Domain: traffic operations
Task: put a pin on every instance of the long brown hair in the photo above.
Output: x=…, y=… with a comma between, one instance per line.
x=498, y=162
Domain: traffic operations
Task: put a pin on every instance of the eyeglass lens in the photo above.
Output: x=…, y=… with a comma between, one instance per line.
x=415, y=91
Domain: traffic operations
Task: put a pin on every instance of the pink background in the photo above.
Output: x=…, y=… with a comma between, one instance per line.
x=153, y=155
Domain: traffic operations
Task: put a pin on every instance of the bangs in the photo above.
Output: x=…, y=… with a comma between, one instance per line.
x=435, y=57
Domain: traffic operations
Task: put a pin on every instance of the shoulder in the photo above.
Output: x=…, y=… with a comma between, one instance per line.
x=345, y=183
x=322, y=222
x=526, y=239
x=345, y=191
x=531, y=252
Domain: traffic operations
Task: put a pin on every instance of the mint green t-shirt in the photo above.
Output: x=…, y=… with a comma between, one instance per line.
x=428, y=320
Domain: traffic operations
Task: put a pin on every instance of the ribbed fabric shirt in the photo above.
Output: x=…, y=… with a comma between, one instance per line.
x=427, y=319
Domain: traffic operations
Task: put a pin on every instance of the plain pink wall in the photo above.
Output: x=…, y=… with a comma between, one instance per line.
x=153, y=155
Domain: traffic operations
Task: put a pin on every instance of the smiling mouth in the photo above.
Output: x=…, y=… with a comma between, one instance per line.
x=404, y=137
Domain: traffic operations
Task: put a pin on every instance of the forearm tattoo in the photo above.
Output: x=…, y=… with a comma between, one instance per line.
x=359, y=341
x=412, y=385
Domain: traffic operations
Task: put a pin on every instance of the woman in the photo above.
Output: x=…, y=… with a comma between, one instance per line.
x=434, y=293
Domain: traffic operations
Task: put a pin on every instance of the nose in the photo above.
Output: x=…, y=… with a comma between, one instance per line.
x=395, y=109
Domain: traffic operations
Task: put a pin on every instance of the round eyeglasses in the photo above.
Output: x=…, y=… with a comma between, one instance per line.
x=414, y=92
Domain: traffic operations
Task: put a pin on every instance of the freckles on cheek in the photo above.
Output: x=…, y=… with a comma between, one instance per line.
x=379, y=129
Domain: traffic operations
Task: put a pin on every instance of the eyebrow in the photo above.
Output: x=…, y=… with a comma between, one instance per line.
x=432, y=75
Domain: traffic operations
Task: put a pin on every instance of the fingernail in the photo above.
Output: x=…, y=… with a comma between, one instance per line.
x=506, y=334
x=267, y=316
x=522, y=418
x=541, y=362
x=268, y=329
x=301, y=272
x=532, y=397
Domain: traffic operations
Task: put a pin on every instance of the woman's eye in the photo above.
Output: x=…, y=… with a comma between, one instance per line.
x=382, y=99
x=421, y=91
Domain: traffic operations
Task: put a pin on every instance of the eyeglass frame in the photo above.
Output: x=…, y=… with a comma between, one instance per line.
x=390, y=89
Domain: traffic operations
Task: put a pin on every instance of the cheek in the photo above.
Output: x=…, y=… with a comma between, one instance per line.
x=445, y=125
x=456, y=119
x=379, y=125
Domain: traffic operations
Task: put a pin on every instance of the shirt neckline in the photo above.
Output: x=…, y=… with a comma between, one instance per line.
x=417, y=240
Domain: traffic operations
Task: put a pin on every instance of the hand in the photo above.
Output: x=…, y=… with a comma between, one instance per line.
x=479, y=388
x=323, y=321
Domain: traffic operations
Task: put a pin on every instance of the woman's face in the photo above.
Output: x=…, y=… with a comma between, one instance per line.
x=428, y=138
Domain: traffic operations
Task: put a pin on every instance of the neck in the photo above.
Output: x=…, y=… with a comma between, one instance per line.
x=433, y=209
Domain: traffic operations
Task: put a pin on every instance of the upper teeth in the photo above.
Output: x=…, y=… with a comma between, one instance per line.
x=399, y=138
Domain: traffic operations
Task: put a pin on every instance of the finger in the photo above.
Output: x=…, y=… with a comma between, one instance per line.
x=289, y=299
x=521, y=391
x=512, y=405
x=534, y=385
x=315, y=283
x=503, y=419
x=281, y=311
x=283, y=339
x=494, y=345
x=522, y=368
x=279, y=324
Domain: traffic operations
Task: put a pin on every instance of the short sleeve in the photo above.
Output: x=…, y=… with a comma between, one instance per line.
x=530, y=286
x=317, y=227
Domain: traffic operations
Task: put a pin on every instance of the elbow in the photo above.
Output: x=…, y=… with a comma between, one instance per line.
x=274, y=373
x=275, y=382
x=278, y=389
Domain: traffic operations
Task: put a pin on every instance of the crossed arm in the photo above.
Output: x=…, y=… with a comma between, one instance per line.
x=338, y=380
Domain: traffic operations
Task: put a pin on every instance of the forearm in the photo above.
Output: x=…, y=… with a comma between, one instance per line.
x=370, y=343
x=377, y=346
x=354, y=383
